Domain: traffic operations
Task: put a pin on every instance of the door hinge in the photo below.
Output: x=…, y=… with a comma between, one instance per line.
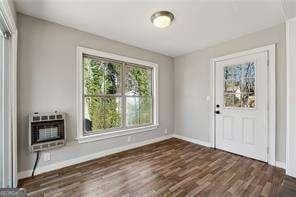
x=267, y=150
x=268, y=62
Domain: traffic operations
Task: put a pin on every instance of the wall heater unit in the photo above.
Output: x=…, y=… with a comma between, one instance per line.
x=46, y=131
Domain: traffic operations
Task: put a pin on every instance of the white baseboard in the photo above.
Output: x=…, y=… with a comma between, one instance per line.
x=70, y=162
x=280, y=164
x=193, y=140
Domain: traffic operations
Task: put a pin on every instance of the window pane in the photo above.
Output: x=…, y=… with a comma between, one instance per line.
x=93, y=114
x=132, y=111
x=112, y=78
x=145, y=110
x=93, y=76
x=113, y=118
x=102, y=113
x=138, y=81
x=101, y=77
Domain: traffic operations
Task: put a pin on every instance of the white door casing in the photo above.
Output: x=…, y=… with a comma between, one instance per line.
x=238, y=128
x=11, y=92
x=291, y=96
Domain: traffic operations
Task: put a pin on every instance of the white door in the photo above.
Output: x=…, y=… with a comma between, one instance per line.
x=241, y=105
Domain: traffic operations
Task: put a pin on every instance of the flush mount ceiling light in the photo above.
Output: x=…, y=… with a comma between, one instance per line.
x=162, y=19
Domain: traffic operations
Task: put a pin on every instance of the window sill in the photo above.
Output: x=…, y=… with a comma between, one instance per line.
x=102, y=136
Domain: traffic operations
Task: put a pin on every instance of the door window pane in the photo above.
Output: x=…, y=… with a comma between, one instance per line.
x=228, y=86
x=237, y=100
x=237, y=73
x=249, y=70
x=248, y=100
x=249, y=85
x=229, y=100
x=240, y=85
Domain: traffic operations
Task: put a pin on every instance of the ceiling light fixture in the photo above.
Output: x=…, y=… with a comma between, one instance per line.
x=162, y=19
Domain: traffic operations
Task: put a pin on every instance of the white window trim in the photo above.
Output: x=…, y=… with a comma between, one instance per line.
x=105, y=135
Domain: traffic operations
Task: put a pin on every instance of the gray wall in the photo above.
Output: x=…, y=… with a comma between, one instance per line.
x=47, y=78
x=192, y=85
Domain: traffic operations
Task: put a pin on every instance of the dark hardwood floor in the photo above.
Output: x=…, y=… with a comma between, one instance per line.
x=168, y=168
x=288, y=188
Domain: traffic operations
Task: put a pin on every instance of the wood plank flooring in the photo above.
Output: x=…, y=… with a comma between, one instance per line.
x=288, y=188
x=169, y=168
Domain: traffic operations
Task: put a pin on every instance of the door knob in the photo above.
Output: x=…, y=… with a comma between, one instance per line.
x=217, y=112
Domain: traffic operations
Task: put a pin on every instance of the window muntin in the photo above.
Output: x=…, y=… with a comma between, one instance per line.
x=239, y=86
x=117, y=95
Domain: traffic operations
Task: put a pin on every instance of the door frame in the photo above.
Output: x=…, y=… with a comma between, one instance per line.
x=7, y=11
x=271, y=100
x=291, y=95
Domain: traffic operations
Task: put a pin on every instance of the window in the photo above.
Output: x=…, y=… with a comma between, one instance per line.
x=117, y=94
x=239, y=85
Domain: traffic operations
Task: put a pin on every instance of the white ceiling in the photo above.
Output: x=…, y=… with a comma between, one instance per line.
x=198, y=24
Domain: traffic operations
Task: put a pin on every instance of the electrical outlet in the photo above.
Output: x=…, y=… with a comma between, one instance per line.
x=46, y=156
x=129, y=138
x=165, y=131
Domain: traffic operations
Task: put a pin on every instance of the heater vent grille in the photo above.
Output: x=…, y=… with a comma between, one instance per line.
x=46, y=131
